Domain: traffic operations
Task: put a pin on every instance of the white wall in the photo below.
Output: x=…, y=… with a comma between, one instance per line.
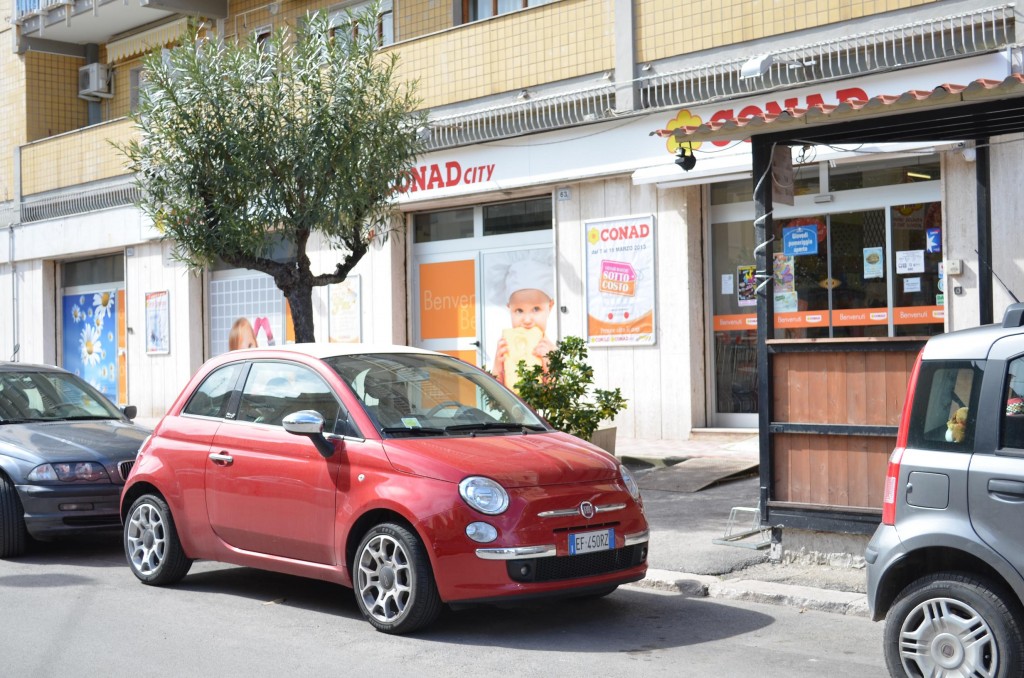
x=663, y=383
x=960, y=233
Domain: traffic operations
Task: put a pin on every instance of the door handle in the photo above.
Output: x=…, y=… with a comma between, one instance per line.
x=1013, y=488
x=222, y=458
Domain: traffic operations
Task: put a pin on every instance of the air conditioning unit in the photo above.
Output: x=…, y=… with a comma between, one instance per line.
x=94, y=82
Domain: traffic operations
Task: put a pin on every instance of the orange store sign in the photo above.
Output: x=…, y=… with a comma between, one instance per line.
x=847, y=317
x=447, y=300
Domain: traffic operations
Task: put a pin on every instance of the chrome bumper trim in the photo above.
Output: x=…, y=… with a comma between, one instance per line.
x=638, y=538
x=517, y=552
x=575, y=511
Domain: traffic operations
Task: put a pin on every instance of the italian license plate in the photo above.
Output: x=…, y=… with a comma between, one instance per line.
x=588, y=542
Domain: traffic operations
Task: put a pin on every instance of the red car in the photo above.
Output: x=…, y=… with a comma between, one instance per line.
x=410, y=476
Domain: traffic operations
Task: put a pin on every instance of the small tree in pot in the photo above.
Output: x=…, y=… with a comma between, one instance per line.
x=562, y=393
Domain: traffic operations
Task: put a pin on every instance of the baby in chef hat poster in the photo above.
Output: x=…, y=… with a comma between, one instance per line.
x=520, y=299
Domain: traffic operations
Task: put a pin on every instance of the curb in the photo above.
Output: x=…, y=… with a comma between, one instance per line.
x=753, y=591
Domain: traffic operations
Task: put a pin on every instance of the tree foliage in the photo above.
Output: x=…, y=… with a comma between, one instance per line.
x=242, y=145
x=562, y=393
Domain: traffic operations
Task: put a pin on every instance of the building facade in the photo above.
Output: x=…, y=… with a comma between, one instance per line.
x=545, y=172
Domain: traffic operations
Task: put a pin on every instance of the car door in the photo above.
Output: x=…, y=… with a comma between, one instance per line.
x=996, y=482
x=269, y=491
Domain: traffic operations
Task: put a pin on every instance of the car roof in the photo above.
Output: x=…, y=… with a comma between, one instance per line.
x=327, y=350
x=975, y=343
x=8, y=366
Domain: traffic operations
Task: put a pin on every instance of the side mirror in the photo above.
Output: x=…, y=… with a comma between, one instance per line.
x=309, y=423
x=130, y=411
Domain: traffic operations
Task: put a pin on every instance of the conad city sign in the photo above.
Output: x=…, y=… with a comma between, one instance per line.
x=625, y=146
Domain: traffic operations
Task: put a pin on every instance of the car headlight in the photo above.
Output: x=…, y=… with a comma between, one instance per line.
x=483, y=494
x=87, y=471
x=630, y=481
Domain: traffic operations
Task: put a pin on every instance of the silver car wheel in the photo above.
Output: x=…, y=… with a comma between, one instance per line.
x=384, y=578
x=146, y=537
x=947, y=637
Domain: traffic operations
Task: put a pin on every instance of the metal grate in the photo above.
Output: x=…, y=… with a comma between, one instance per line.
x=530, y=115
x=914, y=44
x=124, y=468
x=80, y=202
x=573, y=567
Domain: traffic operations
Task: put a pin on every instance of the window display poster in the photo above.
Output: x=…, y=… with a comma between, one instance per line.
x=620, y=290
x=728, y=283
x=746, y=291
x=874, y=262
x=909, y=261
x=246, y=309
x=158, y=340
x=344, y=318
x=786, y=302
x=90, y=339
x=518, y=313
x=784, y=275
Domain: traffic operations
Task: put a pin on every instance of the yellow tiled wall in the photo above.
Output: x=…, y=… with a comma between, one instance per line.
x=513, y=51
x=75, y=158
x=12, y=112
x=415, y=18
x=51, y=93
x=667, y=28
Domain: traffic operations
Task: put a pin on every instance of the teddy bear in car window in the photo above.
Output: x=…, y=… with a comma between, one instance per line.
x=956, y=427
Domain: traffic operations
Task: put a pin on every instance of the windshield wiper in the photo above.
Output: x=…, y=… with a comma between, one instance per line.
x=83, y=417
x=17, y=421
x=493, y=426
x=415, y=431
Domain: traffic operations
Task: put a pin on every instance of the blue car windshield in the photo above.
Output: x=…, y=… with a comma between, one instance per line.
x=30, y=396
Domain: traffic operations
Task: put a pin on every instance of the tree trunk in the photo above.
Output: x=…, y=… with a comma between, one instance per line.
x=300, y=299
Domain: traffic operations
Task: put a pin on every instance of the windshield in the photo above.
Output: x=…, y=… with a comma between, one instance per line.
x=411, y=394
x=49, y=396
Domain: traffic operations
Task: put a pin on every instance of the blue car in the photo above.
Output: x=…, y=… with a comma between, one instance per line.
x=65, y=451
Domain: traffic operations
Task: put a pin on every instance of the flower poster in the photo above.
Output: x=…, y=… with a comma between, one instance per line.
x=90, y=340
x=620, y=292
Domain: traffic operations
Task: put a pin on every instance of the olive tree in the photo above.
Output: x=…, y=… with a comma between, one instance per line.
x=242, y=145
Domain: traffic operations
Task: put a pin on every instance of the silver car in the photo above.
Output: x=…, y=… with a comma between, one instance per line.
x=65, y=451
x=946, y=566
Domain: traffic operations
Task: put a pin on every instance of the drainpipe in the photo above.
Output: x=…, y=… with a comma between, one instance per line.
x=10, y=254
x=92, y=56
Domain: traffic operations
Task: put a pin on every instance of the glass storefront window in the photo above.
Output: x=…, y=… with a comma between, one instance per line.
x=845, y=177
x=518, y=217
x=867, y=272
x=445, y=225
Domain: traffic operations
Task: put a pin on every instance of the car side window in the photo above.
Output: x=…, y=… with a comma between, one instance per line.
x=274, y=390
x=212, y=396
x=945, y=411
x=1012, y=419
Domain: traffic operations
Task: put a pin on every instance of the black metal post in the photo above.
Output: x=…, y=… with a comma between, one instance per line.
x=762, y=165
x=984, y=208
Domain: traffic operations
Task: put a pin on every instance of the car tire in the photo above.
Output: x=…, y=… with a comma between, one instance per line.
x=13, y=535
x=925, y=625
x=393, y=581
x=151, y=543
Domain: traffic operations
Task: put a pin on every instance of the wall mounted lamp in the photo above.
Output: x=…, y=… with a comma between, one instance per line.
x=685, y=157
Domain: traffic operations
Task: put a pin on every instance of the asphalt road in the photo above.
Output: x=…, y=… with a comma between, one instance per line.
x=74, y=609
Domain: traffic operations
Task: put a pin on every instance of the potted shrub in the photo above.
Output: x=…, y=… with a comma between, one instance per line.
x=564, y=396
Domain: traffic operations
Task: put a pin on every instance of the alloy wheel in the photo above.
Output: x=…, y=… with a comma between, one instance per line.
x=146, y=537
x=384, y=578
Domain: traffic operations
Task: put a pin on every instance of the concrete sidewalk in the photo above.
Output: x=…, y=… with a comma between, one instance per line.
x=683, y=556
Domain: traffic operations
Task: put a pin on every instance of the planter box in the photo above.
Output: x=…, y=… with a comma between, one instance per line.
x=605, y=439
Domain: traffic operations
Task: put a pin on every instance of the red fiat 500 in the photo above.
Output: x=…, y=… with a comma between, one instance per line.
x=410, y=476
